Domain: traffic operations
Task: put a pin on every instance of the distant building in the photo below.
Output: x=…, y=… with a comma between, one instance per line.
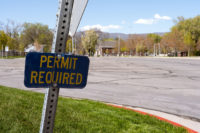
x=106, y=48
x=34, y=48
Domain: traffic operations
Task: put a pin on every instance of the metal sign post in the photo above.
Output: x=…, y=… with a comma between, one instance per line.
x=56, y=69
x=58, y=46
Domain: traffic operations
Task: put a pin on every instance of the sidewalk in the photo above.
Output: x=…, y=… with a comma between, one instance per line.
x=190, y=125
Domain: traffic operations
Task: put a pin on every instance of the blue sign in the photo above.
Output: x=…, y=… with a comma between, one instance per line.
x=47, y=69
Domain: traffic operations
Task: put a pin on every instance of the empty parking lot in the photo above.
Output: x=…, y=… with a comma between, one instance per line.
x=166, y=84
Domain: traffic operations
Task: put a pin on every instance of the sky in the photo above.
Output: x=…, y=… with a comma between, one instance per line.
x=115, y=16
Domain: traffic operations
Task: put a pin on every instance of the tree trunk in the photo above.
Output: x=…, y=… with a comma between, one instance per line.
x=188, y=52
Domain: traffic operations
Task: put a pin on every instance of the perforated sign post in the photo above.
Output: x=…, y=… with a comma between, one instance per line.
x=55, y=70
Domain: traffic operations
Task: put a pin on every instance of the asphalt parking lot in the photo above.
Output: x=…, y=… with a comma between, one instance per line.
x=170, y=85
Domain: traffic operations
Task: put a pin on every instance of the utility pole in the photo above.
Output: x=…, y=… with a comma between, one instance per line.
x=58, y=46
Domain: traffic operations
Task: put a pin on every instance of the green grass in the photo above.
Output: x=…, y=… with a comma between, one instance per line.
x=20, y=112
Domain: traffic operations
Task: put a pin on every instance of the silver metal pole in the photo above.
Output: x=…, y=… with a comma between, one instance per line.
x=58, y=46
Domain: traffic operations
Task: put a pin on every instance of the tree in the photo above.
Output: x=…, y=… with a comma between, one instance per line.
x=11, y=42
x=89, y=41
x=1, y=25
x=189, y=42
x=123, y=46
x=172, y=41
x=155, y=39
x=166, y=42
x=190, y=32
x=133, y=42
x=3, y=40
x=140, y=48
x=149, y=42
x=13, y=30
x=69, y=45
x=36, y=34
x=176, y=37
x=79, y=49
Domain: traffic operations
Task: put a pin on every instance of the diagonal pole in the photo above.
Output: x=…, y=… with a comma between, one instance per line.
x=58, y=46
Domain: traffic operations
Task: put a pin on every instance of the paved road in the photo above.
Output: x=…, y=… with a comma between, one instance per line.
x=166, y=84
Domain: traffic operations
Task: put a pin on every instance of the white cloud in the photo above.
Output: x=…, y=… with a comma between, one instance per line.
x=156, y=18
x=100, y=27
x=144, y=21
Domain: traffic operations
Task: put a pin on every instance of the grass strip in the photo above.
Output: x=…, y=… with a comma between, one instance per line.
x=20, y=111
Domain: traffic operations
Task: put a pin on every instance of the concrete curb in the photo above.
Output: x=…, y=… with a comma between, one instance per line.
x=189, y=125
